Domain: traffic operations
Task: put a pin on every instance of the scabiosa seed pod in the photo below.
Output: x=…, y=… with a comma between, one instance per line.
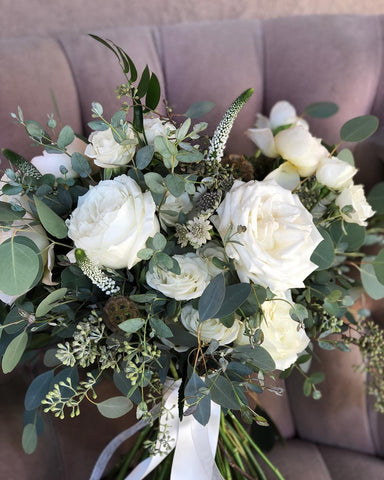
x=117, y=310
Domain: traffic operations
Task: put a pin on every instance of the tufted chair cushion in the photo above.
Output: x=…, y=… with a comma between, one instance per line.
x=300, y=59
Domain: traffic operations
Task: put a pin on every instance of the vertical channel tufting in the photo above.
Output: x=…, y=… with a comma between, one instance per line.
x=31, y=68
x=214, y=61
x=97, y=71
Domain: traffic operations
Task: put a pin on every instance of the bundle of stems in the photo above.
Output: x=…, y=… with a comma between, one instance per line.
x=238, y=457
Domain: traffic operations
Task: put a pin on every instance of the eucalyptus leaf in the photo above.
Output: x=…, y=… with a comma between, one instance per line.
x=29, y=438
x=132, y=325
x=20, y=265
x=235, y=296
x=14, y=352
x=155, y=182
x=321, y=109
x=255, y=355
x=66, y=137
x=378, y=265
x=160, y=328
x=115, y=407
x=212, y=298
x=98, y=125
x=359, y=128
x=347, y=156
x=8, y=214
x=199, y=109
x=50, y=301
x=80, y=165
x=221, y=391
x=376, y=198
x=350, y=236
x=195, y=395
x=189, y=157
x=38, y=390
x=144, y=156
x=175, y=184
x=324, y=254
x=159, y=241
x=50, y=220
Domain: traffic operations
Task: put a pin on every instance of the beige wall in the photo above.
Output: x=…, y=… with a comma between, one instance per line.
x=26, y=17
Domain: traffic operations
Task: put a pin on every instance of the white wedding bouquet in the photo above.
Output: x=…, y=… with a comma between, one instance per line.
x=194, y=279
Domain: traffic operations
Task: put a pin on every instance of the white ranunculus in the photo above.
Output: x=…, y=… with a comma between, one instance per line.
x=50, y=163
x=113, y=221
x=283, y=340
x=191, y=282
x=354, y=196
x=179, y=204
x=154, y=127
x=107, y=152
x=299, y=147
x=208, y=252
x=335, y=173
x=275, y=249
x=211, y=329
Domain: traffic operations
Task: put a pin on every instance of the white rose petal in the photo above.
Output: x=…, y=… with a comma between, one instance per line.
x=190, y=284
x=335, y=173
x=154, y=127
x=354, y=196
x=286, y=176
x=113, y=221
x=299, y=147
x=263, y=138
x=208, y=252
x=282, y=113
x=174, y=204
x=211, y=329
x=280, y=237
x=107, y=152
x=51, y=163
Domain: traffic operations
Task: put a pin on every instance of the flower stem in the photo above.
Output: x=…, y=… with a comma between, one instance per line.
x=242, y=430
x=128, y=459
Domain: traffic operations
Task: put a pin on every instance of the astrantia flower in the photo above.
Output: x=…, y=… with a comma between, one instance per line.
x=275, y=248
x=199, y=231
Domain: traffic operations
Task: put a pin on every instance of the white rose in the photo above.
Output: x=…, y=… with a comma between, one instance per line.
x=335, y=173
x=107, y=152
x=354, y=196
x=283, y=340
x=51, y=162
x=275, y=249
x=299, y=147
x=154, y=127
x=191, y=282
x=282, y=113
x=113, y=221
x=208, y=252
x=211, y=329
x=174, y=204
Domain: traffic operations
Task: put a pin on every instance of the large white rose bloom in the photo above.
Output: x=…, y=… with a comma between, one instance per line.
x=354, y=196
x=191, y=282
x=154, y=127
x=283, y=340
x=211, y=329
x=335, y=173
x=113, y=221
x=107, y=152
x=275, y=249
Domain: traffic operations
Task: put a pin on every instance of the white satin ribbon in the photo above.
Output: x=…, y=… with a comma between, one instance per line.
x=195, y=445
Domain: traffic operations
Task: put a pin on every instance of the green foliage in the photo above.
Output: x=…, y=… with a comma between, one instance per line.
x=20, y=265
x=132, y=325
x=50, y=220
x=115, y=407
x=359, y=128
x=199, y=109
x=50, y=302
x=14, y=352
x=321, y=109
x=66, y=137
x=324, y=254
x=222, y=391
x=29, y=438
x=212, y=298
x=37, y=390
x=80, y=165
x=197, y=395
x=376, y=198
x=255, y=355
